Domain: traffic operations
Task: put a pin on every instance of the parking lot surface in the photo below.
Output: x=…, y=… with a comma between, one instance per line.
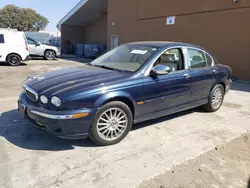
x=32, y=158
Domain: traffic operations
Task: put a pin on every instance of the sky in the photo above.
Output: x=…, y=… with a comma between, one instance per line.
x=54, y=10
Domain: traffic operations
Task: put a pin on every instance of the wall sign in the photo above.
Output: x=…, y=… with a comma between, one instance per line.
x=170, y=20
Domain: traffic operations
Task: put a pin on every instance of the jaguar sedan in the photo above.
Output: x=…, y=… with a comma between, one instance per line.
x=132, y=83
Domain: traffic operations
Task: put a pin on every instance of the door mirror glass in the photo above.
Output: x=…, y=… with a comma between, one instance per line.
x=160, y=70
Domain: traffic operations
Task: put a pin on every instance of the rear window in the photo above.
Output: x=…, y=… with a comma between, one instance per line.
x=1, y=38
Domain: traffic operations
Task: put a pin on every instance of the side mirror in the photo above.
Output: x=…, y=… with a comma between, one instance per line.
x=37, y=44
x=160, y=70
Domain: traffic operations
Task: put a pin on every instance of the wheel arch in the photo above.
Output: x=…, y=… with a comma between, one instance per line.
x=14, y=54
x=117, y=96
x=221, y=82
x=49, y=50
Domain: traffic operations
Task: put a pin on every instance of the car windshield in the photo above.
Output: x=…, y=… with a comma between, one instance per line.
x=128, y=57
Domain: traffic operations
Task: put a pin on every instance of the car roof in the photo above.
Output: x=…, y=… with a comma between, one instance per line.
x=5, y=30
x=163, y=44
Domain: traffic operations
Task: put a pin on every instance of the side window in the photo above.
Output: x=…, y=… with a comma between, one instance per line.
x=30, y=42
x=172, y=58
x=209, y=60
x=1, y=38
x=54, y=42
x=196, y=58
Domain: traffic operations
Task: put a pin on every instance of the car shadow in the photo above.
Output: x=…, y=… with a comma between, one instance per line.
x=241, y=86
x=41, y=58
x=7, y=65
x=166, y=118
x=24, y=135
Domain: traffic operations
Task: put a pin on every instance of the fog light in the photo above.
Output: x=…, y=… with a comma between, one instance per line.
x=44, y=99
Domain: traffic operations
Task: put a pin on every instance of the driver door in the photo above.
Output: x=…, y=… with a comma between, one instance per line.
x=170, y=91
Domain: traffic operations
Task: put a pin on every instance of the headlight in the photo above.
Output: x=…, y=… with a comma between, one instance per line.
x=44, y=99
x=56, y=101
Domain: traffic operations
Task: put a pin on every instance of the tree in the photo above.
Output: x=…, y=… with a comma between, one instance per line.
x=22, y=19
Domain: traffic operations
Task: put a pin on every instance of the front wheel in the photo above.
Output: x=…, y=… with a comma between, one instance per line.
x=111, y=124
x=49, y=55
x=215, y=99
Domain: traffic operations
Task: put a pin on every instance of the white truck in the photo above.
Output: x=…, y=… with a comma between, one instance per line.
x=13, y=47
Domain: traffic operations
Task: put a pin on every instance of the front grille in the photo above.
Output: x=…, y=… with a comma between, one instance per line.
x=31, y=94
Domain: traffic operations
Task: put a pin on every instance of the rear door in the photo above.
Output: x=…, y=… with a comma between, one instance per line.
x=203, y=73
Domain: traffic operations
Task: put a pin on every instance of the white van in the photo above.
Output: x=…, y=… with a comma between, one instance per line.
x=13, y=47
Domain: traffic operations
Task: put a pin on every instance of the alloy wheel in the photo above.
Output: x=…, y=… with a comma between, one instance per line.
x=50, y=55
x=217, y=98
x=112, y=124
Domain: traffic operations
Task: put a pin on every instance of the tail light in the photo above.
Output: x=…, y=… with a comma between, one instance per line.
x=228, y=83
x=26, y=45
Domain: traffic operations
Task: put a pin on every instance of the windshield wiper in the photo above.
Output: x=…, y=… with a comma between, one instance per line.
x=107, y=67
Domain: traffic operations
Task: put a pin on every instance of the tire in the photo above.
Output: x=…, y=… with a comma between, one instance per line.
x=49, y=55
x=110, y=132
x=14, y=60
x=216, y=98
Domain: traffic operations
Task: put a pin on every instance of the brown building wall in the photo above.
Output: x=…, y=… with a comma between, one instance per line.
x=160, y=8
x=96, y=33
x=74, y=34
x=222, y=27
x=124, y=14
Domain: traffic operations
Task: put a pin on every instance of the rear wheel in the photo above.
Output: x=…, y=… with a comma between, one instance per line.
x=14, y=60
x=215, y=99
x=49, y=55
x=111, y=124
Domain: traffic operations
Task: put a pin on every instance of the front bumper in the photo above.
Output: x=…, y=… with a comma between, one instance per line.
x=58, y=53
x=59, y=123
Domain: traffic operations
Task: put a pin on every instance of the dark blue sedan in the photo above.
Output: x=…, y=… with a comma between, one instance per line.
x=135, y=82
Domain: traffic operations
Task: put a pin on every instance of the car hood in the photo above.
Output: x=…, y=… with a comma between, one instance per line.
x=73, y=79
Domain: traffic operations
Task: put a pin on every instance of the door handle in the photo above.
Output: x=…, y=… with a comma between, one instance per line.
x=214, y=71
x=186, y=75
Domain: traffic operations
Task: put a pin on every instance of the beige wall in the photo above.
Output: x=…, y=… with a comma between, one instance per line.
x=96, y=33
x=222, y=27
